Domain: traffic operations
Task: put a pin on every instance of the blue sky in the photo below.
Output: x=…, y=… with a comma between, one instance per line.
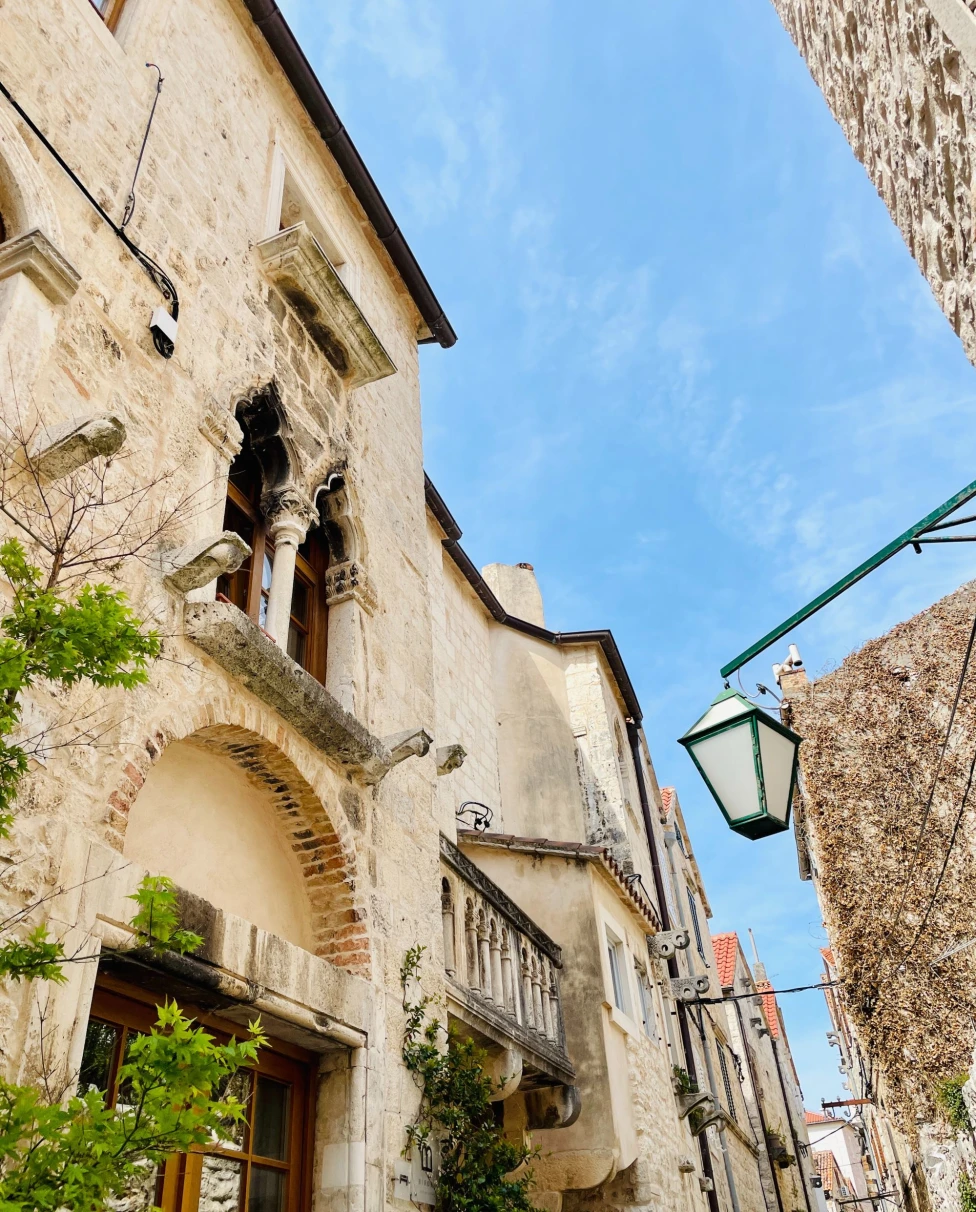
x=698, y=376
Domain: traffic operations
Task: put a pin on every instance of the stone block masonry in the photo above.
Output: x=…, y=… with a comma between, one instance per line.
x=900, y=78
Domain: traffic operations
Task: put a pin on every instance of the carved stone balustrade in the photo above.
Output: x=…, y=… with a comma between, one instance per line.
x=502, y=973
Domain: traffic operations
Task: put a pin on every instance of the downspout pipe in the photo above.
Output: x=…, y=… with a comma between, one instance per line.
x=633, y=736
x=284, y=46
x=759, y=1106
x=789, y=1120
x=729, y=1176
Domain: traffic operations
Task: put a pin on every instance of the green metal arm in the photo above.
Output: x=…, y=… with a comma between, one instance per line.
x=913, y=537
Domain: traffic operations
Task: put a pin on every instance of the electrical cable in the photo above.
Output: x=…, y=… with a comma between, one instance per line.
x=945, y=862
x=160, y=278
x=928, y=807
x=738, y=997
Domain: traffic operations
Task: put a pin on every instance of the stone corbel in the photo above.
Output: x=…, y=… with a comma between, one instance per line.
x=505, y=1072
x=688, y=988
x=558, y=1107
x=37, y=258
x=689, y=1102
x=221, y=429
x=450, y=757
x=414, y=742
x=665, y=943
x=199, y=563
x=61, y=450
x=349, y=581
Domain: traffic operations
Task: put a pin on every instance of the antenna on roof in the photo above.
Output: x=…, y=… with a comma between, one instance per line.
x=758, y=968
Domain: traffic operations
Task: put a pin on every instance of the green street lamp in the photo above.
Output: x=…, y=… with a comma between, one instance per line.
x=748, y=761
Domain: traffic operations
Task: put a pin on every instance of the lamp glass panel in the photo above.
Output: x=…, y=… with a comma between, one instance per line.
x=777, y=753
x=720, y=713
x=728, y=763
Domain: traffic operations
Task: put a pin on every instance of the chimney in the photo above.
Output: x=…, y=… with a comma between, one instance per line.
x=517, y=589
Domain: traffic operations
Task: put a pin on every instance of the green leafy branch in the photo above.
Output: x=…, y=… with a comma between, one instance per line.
x=477, y=1164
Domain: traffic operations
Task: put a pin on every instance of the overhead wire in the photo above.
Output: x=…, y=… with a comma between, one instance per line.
x=931, y=798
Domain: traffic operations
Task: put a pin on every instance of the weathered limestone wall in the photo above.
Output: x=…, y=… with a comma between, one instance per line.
x=367, y=857
x=900, y=78
x=463, y=693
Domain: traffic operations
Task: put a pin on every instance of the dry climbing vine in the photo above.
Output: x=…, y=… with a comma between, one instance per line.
x=456, y=1111
x=873, y=733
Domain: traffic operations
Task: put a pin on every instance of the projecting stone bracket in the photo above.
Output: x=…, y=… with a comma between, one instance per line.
x=40, y=261
x=450, y=757
x=557, y=1107
x=665, y=943
x=199, y=563
x=61, y=450
x=689, y=1102
x=688, y=988
x=415, y=742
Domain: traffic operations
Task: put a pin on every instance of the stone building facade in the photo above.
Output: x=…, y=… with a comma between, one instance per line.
x=900, y=78
x=355, y=742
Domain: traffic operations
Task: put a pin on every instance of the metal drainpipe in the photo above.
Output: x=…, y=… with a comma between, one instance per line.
x=721, y=1135
x=759, y=1106
x=789, y=1120
x=633, y=735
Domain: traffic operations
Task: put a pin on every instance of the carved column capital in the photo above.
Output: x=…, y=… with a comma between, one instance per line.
x=289, y=512
x=349, y=580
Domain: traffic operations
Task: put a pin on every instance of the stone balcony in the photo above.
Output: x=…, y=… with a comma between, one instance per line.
x=502, y=978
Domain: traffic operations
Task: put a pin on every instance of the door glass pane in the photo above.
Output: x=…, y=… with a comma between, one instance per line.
x=296, y=645
x=299, y=600
x=267, y=1190
x=234, y=585
x=265, y=589
x=101, y=1040
x=271, y=1119
x=237, y=1086
x=221, y=1184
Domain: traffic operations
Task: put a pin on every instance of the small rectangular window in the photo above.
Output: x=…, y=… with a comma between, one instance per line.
x=615, y=954
x=726, y=1082
x=695, y=924
x=646, y=994
x=109, y=11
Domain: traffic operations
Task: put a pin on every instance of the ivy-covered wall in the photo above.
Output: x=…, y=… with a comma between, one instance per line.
x=891, y=829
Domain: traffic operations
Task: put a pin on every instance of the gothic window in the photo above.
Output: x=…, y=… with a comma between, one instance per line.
x=109, y=11
x=696, y=925
x=263, y=1168
x=726, y=1082
x=249, y=586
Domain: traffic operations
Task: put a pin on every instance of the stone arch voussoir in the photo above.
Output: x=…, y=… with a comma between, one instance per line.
x=321, y=840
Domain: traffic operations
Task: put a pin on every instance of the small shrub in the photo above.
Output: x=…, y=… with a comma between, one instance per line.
x=967, y=1194
x=949, y=1098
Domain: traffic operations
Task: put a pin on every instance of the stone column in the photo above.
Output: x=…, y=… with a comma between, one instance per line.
x=447, y=920
x=289, y=515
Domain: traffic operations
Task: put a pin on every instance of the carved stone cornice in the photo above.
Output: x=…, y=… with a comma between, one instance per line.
x=294, y=260
x=219, y=426
x=349, y=580
x=473, y=875
x=39, y=260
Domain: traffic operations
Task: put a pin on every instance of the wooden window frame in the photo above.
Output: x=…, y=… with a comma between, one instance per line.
x=112, y=13
x=134, y=1009
x=311, y=571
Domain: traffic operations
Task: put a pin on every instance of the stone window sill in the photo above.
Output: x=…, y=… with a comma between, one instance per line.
x=238, y=645
x=293, y=259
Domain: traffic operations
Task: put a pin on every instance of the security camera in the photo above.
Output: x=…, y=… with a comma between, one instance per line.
x=163, y=329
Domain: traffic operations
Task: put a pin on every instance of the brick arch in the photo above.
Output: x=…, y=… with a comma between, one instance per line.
x=322, y=841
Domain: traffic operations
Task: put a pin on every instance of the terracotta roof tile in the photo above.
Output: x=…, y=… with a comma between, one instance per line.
x=726, y=948
x=814, y=1117
x=770, y=1009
